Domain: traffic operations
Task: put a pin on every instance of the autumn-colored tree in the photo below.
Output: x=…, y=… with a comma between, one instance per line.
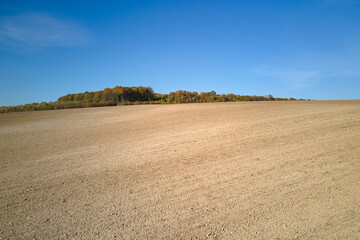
x=134, y=95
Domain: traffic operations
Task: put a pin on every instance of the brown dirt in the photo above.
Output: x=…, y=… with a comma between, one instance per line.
x=264, y=170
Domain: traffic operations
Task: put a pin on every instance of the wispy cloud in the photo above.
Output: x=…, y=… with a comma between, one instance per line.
x=293, y=79
x=299, y=79
x=340, y=2
x=351, y=72
x=40, y=30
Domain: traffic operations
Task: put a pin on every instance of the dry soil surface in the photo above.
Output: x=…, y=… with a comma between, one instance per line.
x=264, y=170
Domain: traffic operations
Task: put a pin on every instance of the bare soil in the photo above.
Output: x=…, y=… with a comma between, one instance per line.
x=264, y=170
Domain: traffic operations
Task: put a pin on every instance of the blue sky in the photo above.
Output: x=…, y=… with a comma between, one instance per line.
x=301, y=49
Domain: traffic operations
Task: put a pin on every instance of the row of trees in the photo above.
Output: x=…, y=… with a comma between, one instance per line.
x=194, y=97
x=115, y=95
x=52, y=106
x=135, y=95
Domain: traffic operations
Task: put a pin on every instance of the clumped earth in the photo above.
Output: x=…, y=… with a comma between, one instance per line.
x=264, y=170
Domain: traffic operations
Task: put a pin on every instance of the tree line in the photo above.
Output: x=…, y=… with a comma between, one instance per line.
x=135, y=95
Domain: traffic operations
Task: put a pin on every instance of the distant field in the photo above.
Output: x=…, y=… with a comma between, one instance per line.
x=264, y=170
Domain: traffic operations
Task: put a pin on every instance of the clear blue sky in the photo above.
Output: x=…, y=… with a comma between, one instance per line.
x=301, y=49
